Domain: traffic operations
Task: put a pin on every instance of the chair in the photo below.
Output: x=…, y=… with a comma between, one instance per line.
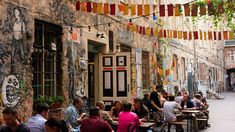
x=195, y=125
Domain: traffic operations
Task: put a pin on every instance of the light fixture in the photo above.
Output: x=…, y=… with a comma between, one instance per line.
x=101, y=35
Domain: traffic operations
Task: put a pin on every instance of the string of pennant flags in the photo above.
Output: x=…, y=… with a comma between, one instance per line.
x=142, y=10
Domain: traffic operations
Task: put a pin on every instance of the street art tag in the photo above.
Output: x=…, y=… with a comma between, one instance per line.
x=10, y=90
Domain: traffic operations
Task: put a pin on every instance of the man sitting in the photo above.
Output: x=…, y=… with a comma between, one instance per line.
x=94, y=123
x=12, y=122
x=37, y=122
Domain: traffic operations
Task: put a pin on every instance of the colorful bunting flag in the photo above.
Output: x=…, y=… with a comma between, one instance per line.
x=94, y=7
x=112, y=9
x=162, y=10
x=185, y=35
x=200, y=35
x=146, y=10
x=174, y=34
x=186, y=10
x=88, y=6
x=99, y=8
x=205, y=36
x=106, y=8
x=211, y=9
x=121, y=7
x=78, y=5
x=126, y=9
x=140, y=10
x=190, y=35
x=133, y=10
x=194, y=10
x=202, y=10
x=210, y=35
x=170, y=9
x=179, y=34
x=83, y=7
x=231, y=35
x=195, y=35
x=215, y=35
x=225, y=35
x=219, y=35
x=164, y=33
x=177, y=10
x=221, y=8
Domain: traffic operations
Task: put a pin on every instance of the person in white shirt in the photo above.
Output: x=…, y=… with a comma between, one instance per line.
x=37, y=122
x=168, y=110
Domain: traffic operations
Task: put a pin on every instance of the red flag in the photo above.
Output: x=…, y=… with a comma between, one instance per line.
x=170, y=9
x=194, y=9
x=211, y=9
x=164, y=33
x=143, y=30
x=78, y=5
x=94, y=7
x=195, y=34
x=162, y=10
x=225, y=35
x=112, y=9
x=88, y=6
x=161, y=33
x=215, y=35
x=140, y=31
x=151, y=32
x=219, y=35
x=174, y=33
x=139, y=10
x=202, y=10
x=106, y=8
x=210, y=35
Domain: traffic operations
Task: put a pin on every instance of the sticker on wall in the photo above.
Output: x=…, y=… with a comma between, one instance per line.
x=10, y=91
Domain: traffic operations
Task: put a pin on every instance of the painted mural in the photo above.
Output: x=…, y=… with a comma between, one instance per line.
x=76, y=63
x=14, y=54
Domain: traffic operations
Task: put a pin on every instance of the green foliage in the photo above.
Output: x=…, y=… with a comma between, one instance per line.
x=49, y=99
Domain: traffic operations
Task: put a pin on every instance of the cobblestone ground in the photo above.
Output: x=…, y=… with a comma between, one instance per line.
x=222, y=114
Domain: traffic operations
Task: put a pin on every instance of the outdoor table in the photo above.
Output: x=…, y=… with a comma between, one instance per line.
x=144, y=125
x=189, y=113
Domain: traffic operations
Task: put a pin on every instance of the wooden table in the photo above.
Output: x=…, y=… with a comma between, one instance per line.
x=144, y=125
x=189, y=113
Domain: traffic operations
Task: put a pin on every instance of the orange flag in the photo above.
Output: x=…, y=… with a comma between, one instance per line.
x=210, y=35
x=146, y=10
x=99, y=8
x=194, y=9
x=148, y=31
x=133, y=10
x=225, y=35
x=177, y=10
x=83, y=6
x=174, y=34
x=121, y=7
x=161, y=33
x=106, y=8
x=126, y=9
x=231, y=35
x=139, y=10
x=185, y=35
x=94, y=7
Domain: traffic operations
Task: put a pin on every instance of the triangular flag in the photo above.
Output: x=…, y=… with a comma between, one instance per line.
x=146, y=10
x=202, y=10
x=94, y=7
x=195, y=35
x=185, y=35
x=99, y=8
x=162, y=10
x=210, y=35
x=186, y=10
x=140, y=10
x=121, y=7
x=83, y=6
x=112, y=9
x=200, y=35
x=211, y=9
x=225, y=35
x=78, y=5
x=177, y=10
x=170, y=9
x=126, y=9
x=133, y=10
x=88, y=6
x=231, y=35
x=194, y=10
x=106, y=8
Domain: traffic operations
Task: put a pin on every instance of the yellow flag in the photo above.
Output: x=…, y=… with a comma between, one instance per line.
x=126, y=9
x=155, y=32
x=179, y=34
x=231, y=35
x=146, y=10
x=148, y=31
x=99, y=8
x=133, y=10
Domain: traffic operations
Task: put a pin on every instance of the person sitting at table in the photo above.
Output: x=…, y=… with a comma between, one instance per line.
x=116, y=109
x=53, y=125
x=141, y=110
x=147, y=101
x=168, y=111
x=179, y=97
x=94, y=123
x=197, y=102
x=72, y=115
x=187, y=103
x=127, y=120
x=104, y=114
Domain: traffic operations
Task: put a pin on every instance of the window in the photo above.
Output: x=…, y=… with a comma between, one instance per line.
x=145, y=70
x=111, y=41
x=232, y=55
x=46, y=59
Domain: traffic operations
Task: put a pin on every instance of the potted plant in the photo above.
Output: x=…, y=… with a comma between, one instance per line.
x=57, y=102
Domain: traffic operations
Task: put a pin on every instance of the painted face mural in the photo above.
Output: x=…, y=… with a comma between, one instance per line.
x=10, y=91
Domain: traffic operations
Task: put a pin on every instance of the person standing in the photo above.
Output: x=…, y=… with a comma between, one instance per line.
x=37, y=122
x=12, y=122
x=72, y=115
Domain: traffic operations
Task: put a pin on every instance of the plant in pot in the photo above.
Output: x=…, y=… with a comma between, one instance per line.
x=57, y=102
